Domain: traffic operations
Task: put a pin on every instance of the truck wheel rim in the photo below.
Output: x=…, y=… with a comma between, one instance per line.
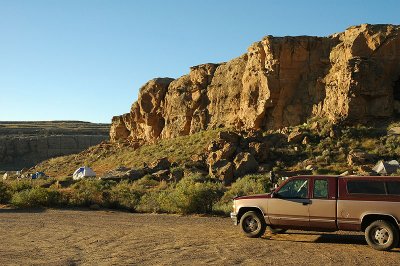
x=381, y=236
x=250, y=224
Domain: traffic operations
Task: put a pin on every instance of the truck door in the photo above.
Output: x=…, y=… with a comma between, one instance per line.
x=288, y=208
x=322, y=209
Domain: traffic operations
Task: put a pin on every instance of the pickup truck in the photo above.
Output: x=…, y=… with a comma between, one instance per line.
x=370, y=204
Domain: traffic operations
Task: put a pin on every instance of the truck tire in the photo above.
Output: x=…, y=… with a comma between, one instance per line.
x=253, y=224
x=382, y=235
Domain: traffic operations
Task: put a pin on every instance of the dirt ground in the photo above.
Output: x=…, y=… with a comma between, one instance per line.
x=74, y=237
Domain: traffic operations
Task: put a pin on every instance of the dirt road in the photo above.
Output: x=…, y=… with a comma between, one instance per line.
x=74, y=237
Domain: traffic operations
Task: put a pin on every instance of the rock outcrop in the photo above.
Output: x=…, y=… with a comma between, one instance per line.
x=24, y=144
x=352, y=76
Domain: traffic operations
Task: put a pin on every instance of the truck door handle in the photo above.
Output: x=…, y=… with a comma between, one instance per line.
x=306, y=202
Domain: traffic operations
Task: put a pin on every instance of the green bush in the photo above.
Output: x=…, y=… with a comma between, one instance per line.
x=192, y=196
x=87, y=192
x=5, y=193
x=157, y=201
x=247, y=185
x=126, y=195
x=21, y=185
x=35, y=197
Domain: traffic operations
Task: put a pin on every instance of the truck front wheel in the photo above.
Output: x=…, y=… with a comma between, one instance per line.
x=253, y=224
x=382, y=235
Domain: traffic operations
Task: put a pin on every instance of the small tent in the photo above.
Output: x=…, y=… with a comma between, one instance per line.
x=83, y=172
x=386, y=168
x=38, y=175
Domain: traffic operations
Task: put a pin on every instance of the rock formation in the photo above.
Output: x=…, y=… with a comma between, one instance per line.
x=352, y=76
x=24, y=144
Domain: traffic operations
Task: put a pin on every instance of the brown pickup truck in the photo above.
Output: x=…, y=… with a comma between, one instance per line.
x=326, y=203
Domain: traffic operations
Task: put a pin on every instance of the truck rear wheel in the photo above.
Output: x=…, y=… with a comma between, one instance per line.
x=253, y=224
x=382, y=235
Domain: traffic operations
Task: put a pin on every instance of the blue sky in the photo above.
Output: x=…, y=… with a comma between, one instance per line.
x=86, y=59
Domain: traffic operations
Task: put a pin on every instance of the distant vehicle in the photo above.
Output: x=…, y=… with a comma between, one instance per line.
x=326, y=203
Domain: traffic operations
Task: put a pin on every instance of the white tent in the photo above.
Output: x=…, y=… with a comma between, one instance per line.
x=83, y=172
x=386, y=167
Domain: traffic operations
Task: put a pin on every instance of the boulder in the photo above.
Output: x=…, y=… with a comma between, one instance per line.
x=222, y=170
x=295, y=136
x=259, y=151
x=214, y=146
x=365, y=170
x=122, y=173
x=245, y=163
x=161, y=175
x=160, y=164
x=226, y=153
x=310, y=167
x=136, y=174
x=229, y=136
x=255, y=136
x=358, y=157
x=176, y=174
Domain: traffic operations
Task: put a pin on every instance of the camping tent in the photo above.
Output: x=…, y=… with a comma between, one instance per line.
x=386, y=168
x=38, y=175
x=83, y=172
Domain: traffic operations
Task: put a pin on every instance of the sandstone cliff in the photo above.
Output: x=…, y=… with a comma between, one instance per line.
x=353, y=76
x=24, y=144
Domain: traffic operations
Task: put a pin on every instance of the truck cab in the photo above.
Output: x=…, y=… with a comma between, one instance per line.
x=325, y=203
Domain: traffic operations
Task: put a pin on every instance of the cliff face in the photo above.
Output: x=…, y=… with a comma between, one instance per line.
x=24, y=144
x=352, y=76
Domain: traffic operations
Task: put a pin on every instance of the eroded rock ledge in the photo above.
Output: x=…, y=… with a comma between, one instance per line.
x=353, y=76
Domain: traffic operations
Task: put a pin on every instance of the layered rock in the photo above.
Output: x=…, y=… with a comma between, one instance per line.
x=279, y=82
x=24, y=144
x=20, y=152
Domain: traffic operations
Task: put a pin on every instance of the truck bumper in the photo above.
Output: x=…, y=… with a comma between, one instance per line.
x=234, y=218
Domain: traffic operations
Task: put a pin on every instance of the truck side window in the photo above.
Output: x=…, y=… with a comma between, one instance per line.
x=366, y=187
x=393, y=187
x=321, y=188
x=294, y=189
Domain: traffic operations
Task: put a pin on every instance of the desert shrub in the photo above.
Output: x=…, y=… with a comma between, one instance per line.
x=20, y=185
x=157, y=201
x=5, y=192
x=193, y=194
x=35, y=197
x=146, y=182
x=87, y=192
x=126, y=195
x=247, y=185
x=368, y=144
x=391, y=145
